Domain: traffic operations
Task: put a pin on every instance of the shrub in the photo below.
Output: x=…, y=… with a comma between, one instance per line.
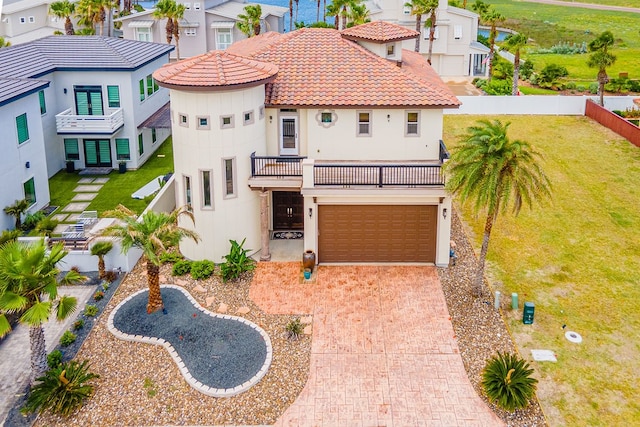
x=90, y=310
x=572, y=85
x=46, y=226
x=78, y=324
x=552, y=72
x=593, y=88
x=105, y=286
x=172, y=257
x=98, y=295
x=294, y=328
x=507, y=381
x=526, y=70
x=237, y=262
x=62, y=389
x=202, y=269
x=32, y=219
x=498, y=87
x=9, y=236
x=181, y=268
x=54, y=359
x=581, y=88
x=502, y=69
x=67, y=339
x=565, y=48
x=110, y=277
x=480, y=83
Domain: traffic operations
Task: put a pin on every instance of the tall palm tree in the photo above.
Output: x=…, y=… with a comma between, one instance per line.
x=495, y=173
x=64, y=9
x=100, y=249
x=419, y=8
x=290, y=15
x=514, y=43
x=432, y=8
x=165, y=9
x=359, y=14
x=480, y=7
x=601, y=59
x=492, y=18
x=16, y=210
x=318, y=12
x=91, y=13
x=334, y=10
x=249, y=22
x=27, y=274
x=177, y=16
x=154, y=233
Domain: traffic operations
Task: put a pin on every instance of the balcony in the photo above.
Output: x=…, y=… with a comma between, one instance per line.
x=67, y=123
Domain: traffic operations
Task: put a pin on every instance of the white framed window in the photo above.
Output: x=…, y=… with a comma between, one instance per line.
x=406, y=10
x=203, y=122
x=457, y=32
x=436, y=33
x=183, y=120
x=206, y=188
x=187, y=192
x=247, y=117
x=23, y=20
x=364, y=123
x=154, y=136
x=196, y=6
x=261, y=112
x=32, y=20
x=224, y=38
x=391, y=49
x=229, y=177
x=227, y=122
x=144, y=35
x=190, y=32
x=412, y=127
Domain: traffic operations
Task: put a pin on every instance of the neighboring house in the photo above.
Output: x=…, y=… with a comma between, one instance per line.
x=23, y=166
x=27, y=20
x=81, y=101
x=333, y=134
x=456, y=50
x=207, y=25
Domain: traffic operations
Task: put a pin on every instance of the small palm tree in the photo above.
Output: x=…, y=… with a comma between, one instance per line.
x=154, y=233
x=64, y=10
x=27, y=274
x=495, y=172
x=507, y=381
x=249, y=22
x=100, y=249
x=16, y=210
x=601, y=59
x=514, y=43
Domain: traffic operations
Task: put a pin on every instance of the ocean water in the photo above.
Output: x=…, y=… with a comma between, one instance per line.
x=307, y=10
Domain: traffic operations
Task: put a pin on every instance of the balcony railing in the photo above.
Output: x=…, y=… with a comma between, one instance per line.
x=67, y=123
x=276, y=166
x=379, y=175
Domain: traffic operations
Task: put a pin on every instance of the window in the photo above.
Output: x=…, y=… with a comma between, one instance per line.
x=226, y=122
x=202, y=122
x=183, y=120
x=326, y=118
x=229, y=177
x=187, y=6
x=113, y=95
x=149, y=85
x=406, y=10
x=436, y=33
x=187, y=192
x=247, y=117
x=32, y=19
x=142, y=90
x=30, y=191
x=71, y=149
x=154, y=135
x=23, y=20
x=412, y=123
x=143, y=35
x=207, y=195
x=43, y=104
x=140, y=145
x=22, y=127
x=122, y=149
x=196, y=6
x=364, y=123
x=191, y=32
x=457, y=32
x=223, y=38
x=391, y=49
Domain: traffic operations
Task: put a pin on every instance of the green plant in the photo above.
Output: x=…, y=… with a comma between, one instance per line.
x=180, y=268
x=62, y=389
x=294, y=328
x=498, y=87
x=572, y=85
x=526, y=69
x=105, y=286
x=9, y=235
x=16, y=210
x=507, y=381
x=202, y=269
x=45, y=226
x=98, y=295
x=170, y=257
x=237, y=262
x=78, y=324
x=551, y=73
x=150, y=387
x=100, y=249
x=54, y=359
x=90, y=310
x=31, y=220
x=67, y=339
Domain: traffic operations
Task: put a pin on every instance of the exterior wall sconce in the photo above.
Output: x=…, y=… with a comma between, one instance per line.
x=27, y=165
x=388, y=117
x=65, y=90
x=444, y=213
x=270, y=119
x=310, y=212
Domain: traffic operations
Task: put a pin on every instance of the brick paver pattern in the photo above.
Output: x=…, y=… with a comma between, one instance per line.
x=383, y=351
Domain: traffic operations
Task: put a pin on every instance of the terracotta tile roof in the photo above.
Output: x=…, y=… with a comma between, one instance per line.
x=215, y=69
x=318, y=67
x=379, y=31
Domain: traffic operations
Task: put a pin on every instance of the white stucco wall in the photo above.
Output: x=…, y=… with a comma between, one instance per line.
x=231, y=217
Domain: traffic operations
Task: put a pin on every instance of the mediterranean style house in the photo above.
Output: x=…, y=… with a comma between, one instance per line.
x=335, y=135
x=456, y=50
x=76, y=102
x=207, y=25
x=22, y=21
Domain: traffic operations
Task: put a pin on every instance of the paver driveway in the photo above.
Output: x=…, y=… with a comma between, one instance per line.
x=383, y=350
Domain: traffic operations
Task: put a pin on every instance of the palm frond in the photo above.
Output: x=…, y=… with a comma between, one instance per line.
x=37, y=314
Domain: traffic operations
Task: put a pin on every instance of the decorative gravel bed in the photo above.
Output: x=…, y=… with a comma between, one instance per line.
x=220, y=352
x=480, y=329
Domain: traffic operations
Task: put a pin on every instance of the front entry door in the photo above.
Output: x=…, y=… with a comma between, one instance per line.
x=288, y=210
x=289, y=136
x=97, y=153
x=89, y=100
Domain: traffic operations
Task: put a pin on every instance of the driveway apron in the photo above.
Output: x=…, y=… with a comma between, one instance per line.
x=383, y=351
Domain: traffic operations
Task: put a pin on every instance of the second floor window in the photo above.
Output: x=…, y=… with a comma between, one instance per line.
x=113, y=96
x=144, y=35
x=412, y=125
x=43, y=104
x=22, y=128
x=223, y=38
x=364, y=123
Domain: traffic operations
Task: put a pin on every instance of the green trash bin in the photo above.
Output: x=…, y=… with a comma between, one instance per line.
x=528, y=312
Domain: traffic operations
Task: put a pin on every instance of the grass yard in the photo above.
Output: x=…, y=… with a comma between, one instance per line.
x=577, y=260
x=119, y=187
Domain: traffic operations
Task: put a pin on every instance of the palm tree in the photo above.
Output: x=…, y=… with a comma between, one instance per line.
x=334, y=10
x=318, y=12
x=91, y=13
x=493, y=18
x=432, y=8
x=494, y=173
x=64, y=9
x=165, y=10
x=249, y=22
x=154, y=233
x=27, y=273
x=480, y=7
x=358, y=15
x=418, y=8
x=177, y=16
x=100, y=249
x=16, y=210
x=513, y=43
x=290, y=15
x=601, y=59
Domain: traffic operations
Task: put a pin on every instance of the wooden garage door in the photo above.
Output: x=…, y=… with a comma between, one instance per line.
x=367, y=233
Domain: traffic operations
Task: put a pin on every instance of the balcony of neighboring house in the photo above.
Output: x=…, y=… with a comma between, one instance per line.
x=69, y=123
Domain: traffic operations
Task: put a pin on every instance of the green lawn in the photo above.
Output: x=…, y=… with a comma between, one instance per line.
x=119, y=187
x=536, y=91
x=577, y=260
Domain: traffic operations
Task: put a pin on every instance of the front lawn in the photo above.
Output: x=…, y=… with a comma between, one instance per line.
x=577, y=260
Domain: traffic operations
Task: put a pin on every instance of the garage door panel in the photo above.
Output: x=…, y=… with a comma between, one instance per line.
x=377, y=233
